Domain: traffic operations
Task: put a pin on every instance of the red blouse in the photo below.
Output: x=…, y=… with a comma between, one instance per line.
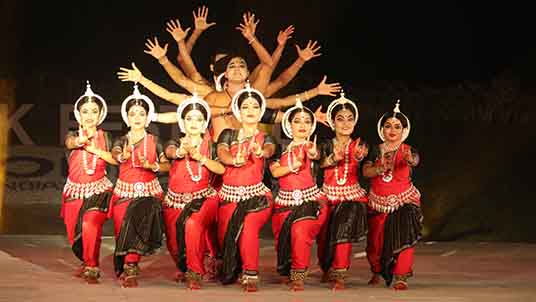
x=386, y=195
x=131, y=171
x=77, y=174
x=303, y=178
x=252, y=171
x=180, y=180
x=351, y=189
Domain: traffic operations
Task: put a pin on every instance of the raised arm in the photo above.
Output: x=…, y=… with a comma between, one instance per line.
x=184, y=58
x=135, y=75
x=304, y=55
x=73, y=141
x=248, y=28
x=201, y=24
x=159, y=53
x=282, y=38
x=322, y=89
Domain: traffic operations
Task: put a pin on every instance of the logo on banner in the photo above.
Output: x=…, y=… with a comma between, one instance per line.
x=34, y=175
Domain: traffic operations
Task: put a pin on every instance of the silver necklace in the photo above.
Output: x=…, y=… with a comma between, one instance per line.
x=388, y=175
x=89, y=171
x=197, y=177
x=342, y=181
x=132, y=149
x=290, y=156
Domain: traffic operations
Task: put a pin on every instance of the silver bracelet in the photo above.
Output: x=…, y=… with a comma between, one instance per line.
x=177, y=154
x=157, y=167
x=120, y=158
x=76, y=142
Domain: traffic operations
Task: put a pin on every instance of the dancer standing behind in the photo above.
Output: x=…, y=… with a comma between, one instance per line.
x=86, y=195
x=300, y=207
x=136, y=203
x=245, y=202
x=341, y=159
x=191, y=204
x=395, y=217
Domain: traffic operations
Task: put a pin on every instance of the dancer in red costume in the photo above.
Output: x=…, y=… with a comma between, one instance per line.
x=136, y=202
x=87, y=193
x=395, y=217
x=341, y=160
x=300, y=207
x=191, y=204
x=245, y=202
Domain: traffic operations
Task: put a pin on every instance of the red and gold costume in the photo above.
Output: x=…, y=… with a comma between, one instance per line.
x=85, y=199
x=245, y=206
x=348, y=210
x=300, y=212
x=190, y=207
x=136, y=205
x=395, y=217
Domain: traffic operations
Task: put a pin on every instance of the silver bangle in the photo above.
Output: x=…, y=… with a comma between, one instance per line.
x=157, y=167
x=332, y=162
x=76, y=142
x=120, y=158
x=177, y=154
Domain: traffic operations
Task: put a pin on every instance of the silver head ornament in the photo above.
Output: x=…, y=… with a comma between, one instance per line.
x=136, y=95
x=194, y=99
x=342, y=100
x=250, y=91
x=286, y=122
x=89, y=93
x=396, y=111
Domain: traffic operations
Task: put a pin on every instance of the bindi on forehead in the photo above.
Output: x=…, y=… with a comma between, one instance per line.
x=345, y=115
x=137, y=109
x=393, y=121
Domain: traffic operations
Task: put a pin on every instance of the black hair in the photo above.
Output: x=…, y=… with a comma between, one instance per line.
x=247, y=94
x=194, y=106
x=340, y=107
x=137, y=102
x=88, y=99
x=398, y=116
x=296, y=111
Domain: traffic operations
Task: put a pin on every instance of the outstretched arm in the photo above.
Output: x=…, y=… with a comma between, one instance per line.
x=322, y=89
x=304, y=55
x=159, y=53
x=282, y=38
x=184, y=58
x=135, y=75
x=248, y=28
x=200, y=22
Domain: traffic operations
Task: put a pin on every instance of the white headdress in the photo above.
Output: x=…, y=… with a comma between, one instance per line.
x=89, y=93
x=219, y=86
x=396, y=110
x=194, y=99
x=236, y=108
x=343, y=101
x=140, y=97
x=286, y=122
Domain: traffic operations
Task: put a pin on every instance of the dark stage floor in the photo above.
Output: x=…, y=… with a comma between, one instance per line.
x=39, y=268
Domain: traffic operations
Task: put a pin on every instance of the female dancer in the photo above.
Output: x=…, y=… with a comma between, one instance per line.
x=395, y=219
x=87, y=193
x=245, y=202
x=136, y=206
x=341, y=158
x=191, y=204
x=220, y=101
x=300, y=207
